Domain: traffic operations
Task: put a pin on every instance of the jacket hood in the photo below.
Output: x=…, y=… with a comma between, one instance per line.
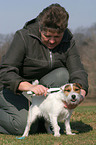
x=33, y=29
x=31, y=23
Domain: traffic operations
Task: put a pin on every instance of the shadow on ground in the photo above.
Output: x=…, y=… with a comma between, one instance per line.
x=78, y=127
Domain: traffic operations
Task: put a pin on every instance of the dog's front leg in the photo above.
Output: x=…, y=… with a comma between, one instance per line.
x=55, y=126
x=68, y=127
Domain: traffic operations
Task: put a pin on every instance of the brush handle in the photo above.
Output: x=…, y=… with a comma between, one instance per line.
x=48, y=91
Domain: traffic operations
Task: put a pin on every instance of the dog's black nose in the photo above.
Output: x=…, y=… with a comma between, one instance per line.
x=73, y=96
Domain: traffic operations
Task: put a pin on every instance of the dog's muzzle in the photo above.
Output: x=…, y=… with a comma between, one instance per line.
x=73, y=98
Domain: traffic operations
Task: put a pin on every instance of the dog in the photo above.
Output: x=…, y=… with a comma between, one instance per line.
x=53, y=110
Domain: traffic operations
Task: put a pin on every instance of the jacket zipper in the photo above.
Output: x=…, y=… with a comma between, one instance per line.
x=51, y=59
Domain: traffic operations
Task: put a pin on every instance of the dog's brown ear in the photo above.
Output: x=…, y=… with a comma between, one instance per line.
x=78, y=85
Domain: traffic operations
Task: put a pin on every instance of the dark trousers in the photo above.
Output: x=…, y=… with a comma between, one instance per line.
x=14, y=108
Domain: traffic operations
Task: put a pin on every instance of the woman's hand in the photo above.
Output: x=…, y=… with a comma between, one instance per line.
x=37, y=89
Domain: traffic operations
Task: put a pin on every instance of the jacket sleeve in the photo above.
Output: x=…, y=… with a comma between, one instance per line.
x=12, y=62
x=76, y=70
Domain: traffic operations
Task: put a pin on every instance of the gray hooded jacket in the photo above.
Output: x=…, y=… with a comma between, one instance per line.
x=28, y=59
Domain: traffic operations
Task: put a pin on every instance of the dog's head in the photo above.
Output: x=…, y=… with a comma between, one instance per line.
x=71, y=93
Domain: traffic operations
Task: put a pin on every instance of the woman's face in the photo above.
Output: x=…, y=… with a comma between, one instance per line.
x=51, y=39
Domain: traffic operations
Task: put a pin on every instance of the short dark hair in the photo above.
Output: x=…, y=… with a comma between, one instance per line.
x=53, y=17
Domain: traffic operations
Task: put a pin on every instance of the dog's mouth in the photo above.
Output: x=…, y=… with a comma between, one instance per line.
x=73, y=100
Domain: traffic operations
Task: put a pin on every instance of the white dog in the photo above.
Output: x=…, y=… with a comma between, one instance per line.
x=52, y=108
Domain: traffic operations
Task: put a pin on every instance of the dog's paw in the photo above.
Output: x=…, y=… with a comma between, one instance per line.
x=25, y=135
x=57, y=135
x=71, y=133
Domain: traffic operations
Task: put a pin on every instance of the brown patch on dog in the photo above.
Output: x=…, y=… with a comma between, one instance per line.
x=67, y=90
x=77, y=87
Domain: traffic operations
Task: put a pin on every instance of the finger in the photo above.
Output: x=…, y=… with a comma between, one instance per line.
x=43, y=90
x=45, y=93
x=36, y=90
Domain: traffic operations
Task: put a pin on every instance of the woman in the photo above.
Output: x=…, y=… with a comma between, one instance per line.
x=45, y=50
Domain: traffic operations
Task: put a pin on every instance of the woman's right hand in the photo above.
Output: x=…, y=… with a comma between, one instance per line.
x=37, y=89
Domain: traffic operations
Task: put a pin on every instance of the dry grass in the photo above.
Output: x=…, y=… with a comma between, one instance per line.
x=83, y=123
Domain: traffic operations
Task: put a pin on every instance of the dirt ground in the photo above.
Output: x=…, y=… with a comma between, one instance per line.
x=89, y=102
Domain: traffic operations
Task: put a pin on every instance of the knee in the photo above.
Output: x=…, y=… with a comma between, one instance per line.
x=20, y=127
x=61, y=76
x=56, y=78
x=17, y=127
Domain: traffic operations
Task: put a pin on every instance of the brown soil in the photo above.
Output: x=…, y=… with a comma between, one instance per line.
x=89, y=102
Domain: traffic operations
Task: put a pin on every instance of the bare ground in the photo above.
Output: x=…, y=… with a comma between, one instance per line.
x=89, y=102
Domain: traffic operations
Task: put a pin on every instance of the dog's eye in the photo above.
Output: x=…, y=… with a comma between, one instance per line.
x=76, y=89
x=67, y=90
